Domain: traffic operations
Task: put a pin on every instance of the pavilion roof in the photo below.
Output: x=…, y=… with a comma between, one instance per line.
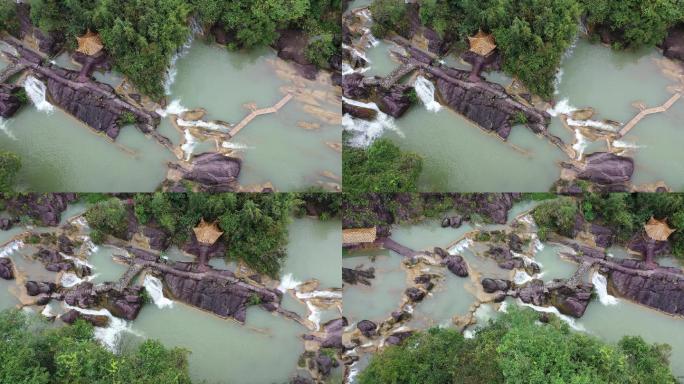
x=90, y=43
x=658, y=229
x=207, y=233
x=482, y=43
x=359, y=235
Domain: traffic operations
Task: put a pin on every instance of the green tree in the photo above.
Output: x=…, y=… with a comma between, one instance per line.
x=556, y=216
x=382, y=167
x=634, y=23
x=10, y=164
x=108, y=217
x=8, y=16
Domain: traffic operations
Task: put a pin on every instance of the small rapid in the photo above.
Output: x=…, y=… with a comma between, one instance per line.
x=37, y=92
x=425, y=90
x=155, y=289
x=601, y=286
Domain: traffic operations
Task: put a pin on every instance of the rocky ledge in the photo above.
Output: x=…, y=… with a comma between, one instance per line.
x=673, y=46
x=44, y=209
x=208, y=172
x=10, y=100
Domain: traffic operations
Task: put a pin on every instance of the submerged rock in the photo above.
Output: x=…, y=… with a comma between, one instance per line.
x=494, y=285
x=35, y=288
x=358, y=275
x=6, y=268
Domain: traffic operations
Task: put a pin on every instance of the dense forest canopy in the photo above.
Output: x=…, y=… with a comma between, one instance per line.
x=255, y=225
x=517, y=348
x=143, y=35
x=34, y=352
x=382, y=167
x=624, y=213
x=533, y=35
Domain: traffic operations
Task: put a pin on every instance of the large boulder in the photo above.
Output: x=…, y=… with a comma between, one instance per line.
x=571, y=301
x=359, y=112
x=398, y=337
x=453, y=221
x=9, y=100
x=394, y=101
x=367, y=327
x=358, y=275
x=72, y=315
x=414, y=294
x=495, y=285
x=456, y=265
x=354, y=88
x=291, y=45
x=35, y=288
x=607, y=168
x=214, y=172
x=6, y=268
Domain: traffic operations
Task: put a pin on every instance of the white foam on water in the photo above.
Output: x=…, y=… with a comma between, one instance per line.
x=234, y=146
x=460, y=246
x=591, y=124
x=319, y=294
x=580, y=144
x=288, y=282
x=365, y=132
x=190, y=143
x=5, y=129
x=109, y=336
x=521, y=277
x=172, y=70
x=210, y=125
x=425, y=90
x=348, y=70
x=563, y=107
x=77, y=261
x=70, y=280
x=626, y=145
x=314, y=315
x=36, y=91
x=11, y=247
x=559, y=74
x=353, y=372
x=468, y=334
x=155, y=289
x=567, y=319
x=173, y=108
x=601, y=286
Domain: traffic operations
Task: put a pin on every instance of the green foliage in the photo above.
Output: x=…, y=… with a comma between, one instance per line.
x=556, y=216
x=127, y=118
x=540, y=196
x=254, y=299
x=108, y=217
x=320, y=50
x=389, y=15
x=315, y=201
x=382, y=167
x=634, y=23
x=8, y=16
x=10, y=164
x=254, y=225
x=92, y=197
x=520, y=118
x=515, y=348
x=34, y=353
x=627, y=213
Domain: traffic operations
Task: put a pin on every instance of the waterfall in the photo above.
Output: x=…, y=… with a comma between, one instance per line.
x=580, y=143
x=426, y=93
x=174, y=108
x=365, y=132
x=202, y=124
x=69, y=279
x=569, y=320
x=109, y=336
x=36, y=91
x=460, y=246
x=189, y=146
x=559, y=74
x=233, y=145
x=626, y=145
x=5, y=129
x=315, y=315
x=155, y=289
x=288, y=282
x=319, y=294
x=10, y=248
x=353, y=372
x=172, y=70
x=77, y=261
x=601, y=286
x=503, y=307
x=521, y=277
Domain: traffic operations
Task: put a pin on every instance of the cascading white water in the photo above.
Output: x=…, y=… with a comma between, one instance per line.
x=559, y=74
x=109, y=336
x=155, y=289
x=77, y=261
x=319, y=294
x=314, y=315
x=190, y=143
x=288, y=282
x=174, y=108
x=5, y=129
x=521, y=277
x=365, y=132
x=460, y=246
x=172, y=70
x=10, y=248
x=580, y=144
x=69, y=280
x=233, y=145
x=601, y=286
x=36, y=91
x=569, y=320
x=202, y=124
x=426, y=93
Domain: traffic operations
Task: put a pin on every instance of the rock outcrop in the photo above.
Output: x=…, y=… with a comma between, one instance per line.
x=6, y=268
x=291, y=46
x=212, y=172
x=44, y=209
x=72, y=315
x=367, y=327
x=10, y=100
x=607, y=168
x=456, y=265
x=358, y=275
x=662, y=289
x=673, y=46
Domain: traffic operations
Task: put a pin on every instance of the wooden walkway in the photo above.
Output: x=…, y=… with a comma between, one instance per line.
x=396, y=75
x=258, y=112
x=649, y=111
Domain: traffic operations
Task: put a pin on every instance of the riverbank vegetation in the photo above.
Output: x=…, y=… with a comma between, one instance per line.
x=533, y=35
x=623, y=213
x=254, y=225
x=633, y=23
x=34, y=352
x=141, y=36
x=517, y=348
x=381, y=167
x=10, y=164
